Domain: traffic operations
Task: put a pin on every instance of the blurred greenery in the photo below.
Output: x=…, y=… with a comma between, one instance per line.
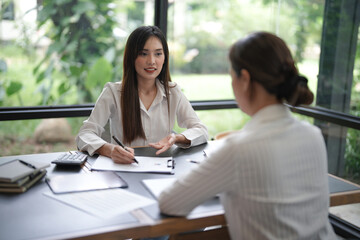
x=298, y=22
x=81, y=32
x=352, y=156
x=308, y=22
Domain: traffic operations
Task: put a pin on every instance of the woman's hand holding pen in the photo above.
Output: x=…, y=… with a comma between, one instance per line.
x=117, y=153
x=125, y=148
x=122, y=155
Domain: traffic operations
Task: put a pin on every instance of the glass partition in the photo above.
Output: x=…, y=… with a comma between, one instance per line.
x=201, y=32
x=62, y=53
x=322, y=35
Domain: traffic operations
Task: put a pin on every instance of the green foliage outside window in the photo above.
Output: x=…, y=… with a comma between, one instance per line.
x=352, y=151
x=83, y=47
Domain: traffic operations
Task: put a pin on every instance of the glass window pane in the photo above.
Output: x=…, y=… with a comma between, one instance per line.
x=355, y=89
x=201, y=32
x=323, y=37
x=38, y=135
x=63, y=52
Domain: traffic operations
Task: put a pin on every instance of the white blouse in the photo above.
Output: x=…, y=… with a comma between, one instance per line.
x=156, y=121
x=272, y=176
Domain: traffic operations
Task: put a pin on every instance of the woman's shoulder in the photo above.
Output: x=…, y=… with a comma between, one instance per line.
x=114, y=87
x=176, y=92
x=111, y=90
x=174, y=87
x=308, y=127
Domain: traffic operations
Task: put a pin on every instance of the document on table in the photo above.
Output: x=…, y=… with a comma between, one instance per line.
x=146, y=164
x=103, y=203
x=156, y=186
x=212, y=147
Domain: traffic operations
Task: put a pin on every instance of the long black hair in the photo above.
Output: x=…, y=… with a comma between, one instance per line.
x=130, y=105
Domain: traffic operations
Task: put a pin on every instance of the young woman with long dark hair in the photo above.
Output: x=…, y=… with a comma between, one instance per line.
x=142, y=109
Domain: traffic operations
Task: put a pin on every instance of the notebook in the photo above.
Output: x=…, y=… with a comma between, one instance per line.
x=30, y=181
x=17, y=169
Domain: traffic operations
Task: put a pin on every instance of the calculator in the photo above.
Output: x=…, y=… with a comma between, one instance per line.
x=73, y=158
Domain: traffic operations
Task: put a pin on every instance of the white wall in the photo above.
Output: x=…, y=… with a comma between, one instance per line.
x=24, y=23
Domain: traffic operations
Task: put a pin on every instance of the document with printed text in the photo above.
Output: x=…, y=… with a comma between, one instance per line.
x=103, y=203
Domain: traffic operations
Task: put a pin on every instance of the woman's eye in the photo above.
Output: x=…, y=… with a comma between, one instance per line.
x=158, y=54
x=143, y=54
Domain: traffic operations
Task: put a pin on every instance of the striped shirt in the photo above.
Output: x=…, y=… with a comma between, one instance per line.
x=272, y=176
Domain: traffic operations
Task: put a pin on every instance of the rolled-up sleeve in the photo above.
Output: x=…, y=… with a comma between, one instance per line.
x=89, y=136
x=200, y=184
x=187, y=118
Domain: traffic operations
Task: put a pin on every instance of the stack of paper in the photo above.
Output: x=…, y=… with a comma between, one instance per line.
x=18, y=175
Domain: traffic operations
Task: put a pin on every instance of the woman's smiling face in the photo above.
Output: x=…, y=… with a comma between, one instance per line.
x=150, y=60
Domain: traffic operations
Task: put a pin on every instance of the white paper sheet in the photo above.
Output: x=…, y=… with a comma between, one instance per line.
x=103, y=203
x=146, y=164
x=156, y=186
x=212, y=147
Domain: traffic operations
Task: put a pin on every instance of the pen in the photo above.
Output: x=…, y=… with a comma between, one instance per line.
x=123, y=146
x=27, y=164
x=204, y=153
x=192, y=161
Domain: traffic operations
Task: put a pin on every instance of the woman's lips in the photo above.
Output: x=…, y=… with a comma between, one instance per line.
x=150, y=70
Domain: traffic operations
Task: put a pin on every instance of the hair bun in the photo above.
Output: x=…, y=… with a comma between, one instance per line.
x=302, y=80
x=287, y=88
x=301, y=94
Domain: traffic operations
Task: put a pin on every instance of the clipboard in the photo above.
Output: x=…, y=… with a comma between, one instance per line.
x=76, y=182
x=146, y=164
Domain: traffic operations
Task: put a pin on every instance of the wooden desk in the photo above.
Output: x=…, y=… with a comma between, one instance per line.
x=343, y=192
x=32, y=215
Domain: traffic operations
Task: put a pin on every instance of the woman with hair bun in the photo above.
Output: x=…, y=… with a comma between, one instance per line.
x=271, y=175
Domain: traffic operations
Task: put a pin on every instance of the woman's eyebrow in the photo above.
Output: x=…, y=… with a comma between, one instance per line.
x=147, y=50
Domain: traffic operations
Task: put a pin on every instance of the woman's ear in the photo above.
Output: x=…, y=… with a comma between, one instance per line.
x=245, y=78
